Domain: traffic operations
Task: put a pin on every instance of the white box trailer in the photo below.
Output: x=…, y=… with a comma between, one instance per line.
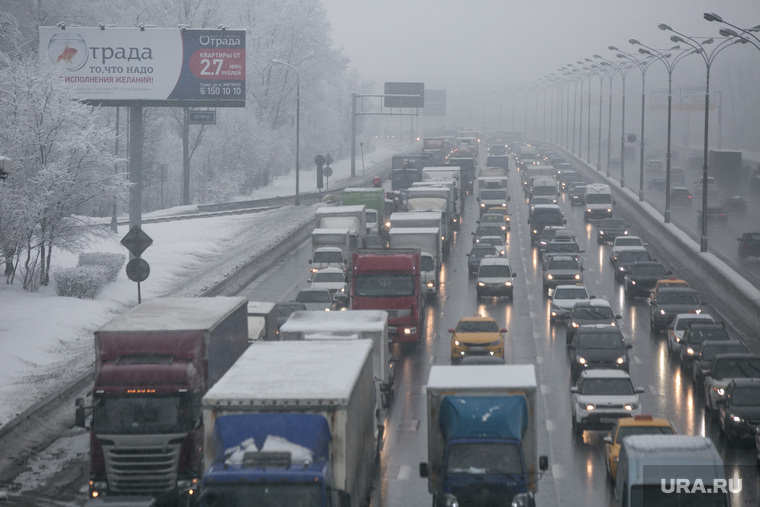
x=428, y=241
x=296, y=380
x=407, y=219
x=354, y=218
x=348, y=325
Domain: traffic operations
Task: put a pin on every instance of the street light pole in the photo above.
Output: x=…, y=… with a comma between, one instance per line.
x=623, y=71
x=669, y=65
x=708, y=59
x=298, y=125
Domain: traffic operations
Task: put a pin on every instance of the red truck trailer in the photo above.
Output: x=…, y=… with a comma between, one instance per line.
x=153, y=364
x=389, y=279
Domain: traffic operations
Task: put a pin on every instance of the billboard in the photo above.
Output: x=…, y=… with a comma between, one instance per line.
x=435, y=103
x=415, y=90
x=148, y=66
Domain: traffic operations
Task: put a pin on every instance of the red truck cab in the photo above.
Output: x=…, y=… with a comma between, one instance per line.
x=389, y=279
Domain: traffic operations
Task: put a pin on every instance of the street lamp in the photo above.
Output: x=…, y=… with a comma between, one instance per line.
x=669, y=65
x=298, y=122
x=746, y=32
x=642, y=65
x=623, y=70
x=592, y=70
x=708, y=59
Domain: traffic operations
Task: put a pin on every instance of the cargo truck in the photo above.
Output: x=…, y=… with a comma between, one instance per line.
x=726, y=166
x=424, y=219
x=405, y=170
x=290, y=424
x=434, y=196
x=353, y=218
x=389, y=279
x=153, y=364
x=350, y=325
x=482, y=434
x=501, y=161
x=373, y=200
x=428, y=241
x=435, y=148
x=330, y=248
x=262, y=321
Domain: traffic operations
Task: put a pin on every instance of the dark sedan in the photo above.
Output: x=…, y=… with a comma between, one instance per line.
x=669, y=303
x=478, y=253
x=642, y=277
x=609, y=229
x=706, y=352
x=735, y=205
x=713, y=215
x=739, y=411
x=627, y=259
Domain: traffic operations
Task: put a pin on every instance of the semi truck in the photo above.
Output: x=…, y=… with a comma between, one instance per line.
x=353, y=218
x=389, y=280
x=350, y=325
x=428, y=241
x=153, y=364
x=373, y=200
x=292, y=423
x=416, y=219
x=330, y=248
x=482, y=434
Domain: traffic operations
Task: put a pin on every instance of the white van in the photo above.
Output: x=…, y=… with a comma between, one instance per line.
x=598, y=202
x=671, y=470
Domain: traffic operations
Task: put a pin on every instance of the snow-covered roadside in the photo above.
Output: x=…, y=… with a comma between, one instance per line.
x=46, y=340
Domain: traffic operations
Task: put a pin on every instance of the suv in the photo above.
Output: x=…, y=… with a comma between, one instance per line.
x=578, y=195
x=593, y=311
x=642, y=277
x=670, y=302
x=739, y=411
x=561, y=269
x=598, y=346
x=601, y=397
x=547, y=235
x=723, y=370
x=564, y=298
x=495, y=278
x=749, y=245
x=543, y=215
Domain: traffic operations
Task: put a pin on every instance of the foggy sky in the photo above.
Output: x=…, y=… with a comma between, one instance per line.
x=495, y=45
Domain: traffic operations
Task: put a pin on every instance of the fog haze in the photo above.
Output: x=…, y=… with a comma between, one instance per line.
x=490, y=44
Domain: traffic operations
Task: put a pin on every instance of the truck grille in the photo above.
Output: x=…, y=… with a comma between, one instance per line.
x=136, y=469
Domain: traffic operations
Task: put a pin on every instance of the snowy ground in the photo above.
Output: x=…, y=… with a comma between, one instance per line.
x=46, y=340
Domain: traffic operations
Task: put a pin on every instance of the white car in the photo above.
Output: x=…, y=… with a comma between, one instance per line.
x=601, y=397
x=316, y=299
x=332, y=279
x=562, y=300
x=623, y=243
x=682, y=320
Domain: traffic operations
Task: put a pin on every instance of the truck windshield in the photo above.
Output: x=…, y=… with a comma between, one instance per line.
x=544, y=191
x=384, y=285
x=262, y=495
x=653, y=495
x=328, y=258
x=328, y=277
x=138, y=415
x=485, y=458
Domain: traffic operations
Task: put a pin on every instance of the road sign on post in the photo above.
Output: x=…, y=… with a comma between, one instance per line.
x=136, y=241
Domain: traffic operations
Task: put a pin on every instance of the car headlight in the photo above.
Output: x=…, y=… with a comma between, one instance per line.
x=736, y=419
x=481, y=284
x=574, y=324
x=690, y=351
x=609, y=210
x=549, y=277
x=620, y=360
x=633, y=282
x=588, y=210
x=580, y=359
x=508, y=284
x=456, y=342
x=587, y=406
x=578, y=276
x=662, y=312
x=621, y=268
x=430, y=284
x=503, y=227
x=508, y=219
x=631, y=406
x=719, y=391
x=535, y=231
x=482, y=205
x=625, y=233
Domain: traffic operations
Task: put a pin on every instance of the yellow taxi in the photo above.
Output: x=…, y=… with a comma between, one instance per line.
x=499, y=210
x=627, y=426
x=667, y=282
x=476, y=336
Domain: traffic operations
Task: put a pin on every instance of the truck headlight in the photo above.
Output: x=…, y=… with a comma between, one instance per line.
x=633, y=282
x=430, y=284
x=662, y=312
x=549, y=277
x=410, y=330
x=588, y=210
x=578, y=277
x=481, y=284
x=482, y=205
x=690, y=351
